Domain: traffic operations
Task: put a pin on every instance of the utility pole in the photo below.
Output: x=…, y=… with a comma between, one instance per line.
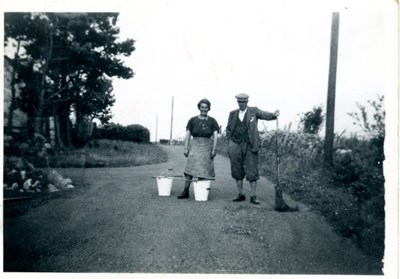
x=156, y=127
x=172, y=120
x=330, y=106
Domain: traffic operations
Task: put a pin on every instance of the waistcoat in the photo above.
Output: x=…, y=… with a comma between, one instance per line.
x=240, y=132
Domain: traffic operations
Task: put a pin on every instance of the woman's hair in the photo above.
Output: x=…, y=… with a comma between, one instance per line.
x=204, y=101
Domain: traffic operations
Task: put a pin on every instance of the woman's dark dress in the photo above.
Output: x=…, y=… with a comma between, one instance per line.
x=199, y=163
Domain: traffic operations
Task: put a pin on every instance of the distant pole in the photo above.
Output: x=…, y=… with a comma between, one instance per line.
x=330, y=106
x=156, y=127
x=172, y=120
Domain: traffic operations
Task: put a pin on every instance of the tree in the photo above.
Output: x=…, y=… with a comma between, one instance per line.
x=70, y=62
x=15, y=34
x=312, y=120
x=374, y=127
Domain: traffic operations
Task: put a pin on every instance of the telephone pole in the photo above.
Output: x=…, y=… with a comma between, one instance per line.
x=330, y=106
x=172, y=120
x=156, y=127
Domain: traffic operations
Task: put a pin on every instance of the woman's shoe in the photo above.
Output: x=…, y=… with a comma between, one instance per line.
x=239, y=198
x=184, y=194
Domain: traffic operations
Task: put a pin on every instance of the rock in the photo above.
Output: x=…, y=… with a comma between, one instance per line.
x=27, y=184
x=30, y=166
x=23, y=174
x=36, y=184
x=11, y=177
x=52, y=188
x=55, y=178
x=65, y=182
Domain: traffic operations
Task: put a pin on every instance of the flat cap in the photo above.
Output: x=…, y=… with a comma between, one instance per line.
x=242, y=97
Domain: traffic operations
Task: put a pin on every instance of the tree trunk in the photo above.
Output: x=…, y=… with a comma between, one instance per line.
x=81, y=128
x=52, y=131
x=59, y=142
x=64, y=128
x=13, y=89
x=41, y=102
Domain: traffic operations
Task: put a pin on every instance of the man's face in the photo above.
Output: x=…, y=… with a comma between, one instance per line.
x=242, y=105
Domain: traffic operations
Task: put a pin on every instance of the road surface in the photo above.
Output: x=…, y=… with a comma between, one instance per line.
x=119, y=224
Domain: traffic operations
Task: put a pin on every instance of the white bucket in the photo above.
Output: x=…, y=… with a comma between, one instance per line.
x=164, y=185
x=201, y=190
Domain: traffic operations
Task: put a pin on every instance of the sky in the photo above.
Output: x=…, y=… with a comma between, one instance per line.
x=276, y=52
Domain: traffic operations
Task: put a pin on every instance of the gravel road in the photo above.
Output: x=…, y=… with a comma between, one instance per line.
x=119, y=224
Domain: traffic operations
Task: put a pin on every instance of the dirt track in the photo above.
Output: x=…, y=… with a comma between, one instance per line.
x=120, y=224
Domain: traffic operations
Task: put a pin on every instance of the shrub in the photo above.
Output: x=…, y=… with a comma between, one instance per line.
x=347, y=169
x=350, y=194
x=137, y=133
x=134, y=133
x=312, y=120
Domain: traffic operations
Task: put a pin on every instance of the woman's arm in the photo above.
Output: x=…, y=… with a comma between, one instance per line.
x=228, y=126
x=215, y=141
x=187, y=139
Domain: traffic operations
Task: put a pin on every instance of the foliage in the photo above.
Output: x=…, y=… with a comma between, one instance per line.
x=312, y=120
x=375, y=127
x=350, y=195
x=134, y=133
x=66, y=65
x=222, y=145
x=110, y=153
x=301, y=145
x=138, y=133
x=360, y=168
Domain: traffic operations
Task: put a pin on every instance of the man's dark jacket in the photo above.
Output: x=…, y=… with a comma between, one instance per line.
x=253, y=114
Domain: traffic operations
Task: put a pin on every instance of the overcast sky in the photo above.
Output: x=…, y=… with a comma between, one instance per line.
x=275, y=51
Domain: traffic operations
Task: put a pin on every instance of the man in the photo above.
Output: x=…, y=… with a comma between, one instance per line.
x=244, y=143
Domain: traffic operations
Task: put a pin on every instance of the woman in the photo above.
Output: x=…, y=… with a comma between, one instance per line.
x=200, y=146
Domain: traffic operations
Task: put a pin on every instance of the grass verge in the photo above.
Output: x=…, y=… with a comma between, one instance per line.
x=109, y=153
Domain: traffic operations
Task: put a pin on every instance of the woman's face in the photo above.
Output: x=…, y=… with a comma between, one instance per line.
x=203, y=109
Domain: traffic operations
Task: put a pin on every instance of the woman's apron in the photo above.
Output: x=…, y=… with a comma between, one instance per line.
x=199, y=162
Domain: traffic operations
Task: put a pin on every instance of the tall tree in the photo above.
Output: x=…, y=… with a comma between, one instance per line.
x=70, y=63
x=15, y=35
